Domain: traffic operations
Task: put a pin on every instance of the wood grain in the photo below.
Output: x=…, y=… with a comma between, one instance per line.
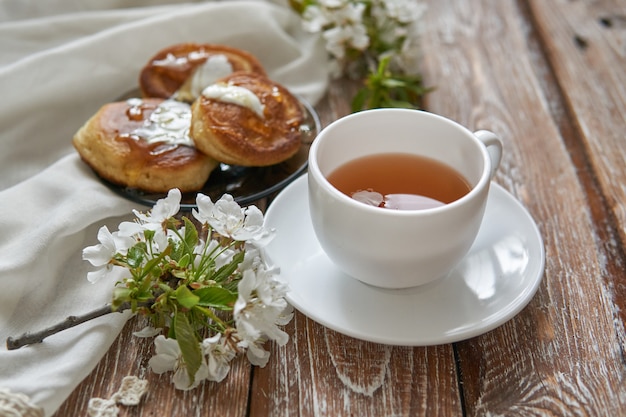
x=129, y=355
x=588, y=54
x=561, y=356
x=323, y=373
x=586, y=46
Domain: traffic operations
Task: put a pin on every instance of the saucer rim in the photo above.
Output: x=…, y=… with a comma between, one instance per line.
x=505, y=314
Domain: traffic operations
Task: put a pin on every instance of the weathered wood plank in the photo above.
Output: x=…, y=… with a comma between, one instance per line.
x=586, y=46
x=588, y=54
x=323, y=373
x=561, y=355
x=129, y=355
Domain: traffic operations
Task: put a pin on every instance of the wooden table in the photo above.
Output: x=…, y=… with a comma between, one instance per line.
x=550, y=78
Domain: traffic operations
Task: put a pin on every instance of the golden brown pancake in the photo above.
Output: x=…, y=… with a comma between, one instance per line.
x=167, y=72
x=123, y=146
x=236, y=134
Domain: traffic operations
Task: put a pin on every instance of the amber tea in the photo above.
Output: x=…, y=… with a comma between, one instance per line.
x=399, y=181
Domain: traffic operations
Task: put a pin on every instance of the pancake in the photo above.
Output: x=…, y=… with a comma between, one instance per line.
x=247, y=119
x=144, y=144
x=182, y=71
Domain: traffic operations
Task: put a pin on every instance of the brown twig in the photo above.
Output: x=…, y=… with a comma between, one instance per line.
x=71, y=321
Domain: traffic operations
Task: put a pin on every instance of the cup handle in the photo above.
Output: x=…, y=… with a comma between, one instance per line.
x=494, y=148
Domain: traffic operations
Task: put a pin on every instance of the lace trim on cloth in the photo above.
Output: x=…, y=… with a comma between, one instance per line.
x=130, y=393
x=17, y=405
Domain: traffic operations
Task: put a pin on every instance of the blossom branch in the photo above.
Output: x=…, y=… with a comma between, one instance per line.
x=71, y=321
x=376, y=41
x=191, y=284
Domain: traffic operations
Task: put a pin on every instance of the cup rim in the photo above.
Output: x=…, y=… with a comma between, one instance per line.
x=315, y=171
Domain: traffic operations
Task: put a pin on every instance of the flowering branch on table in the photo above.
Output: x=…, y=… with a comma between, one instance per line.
x=373, y=40
x=207, y=290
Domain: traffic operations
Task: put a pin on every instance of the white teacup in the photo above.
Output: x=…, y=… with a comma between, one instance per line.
x=399, y=248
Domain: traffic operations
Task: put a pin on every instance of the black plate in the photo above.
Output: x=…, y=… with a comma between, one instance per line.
x=245, y=184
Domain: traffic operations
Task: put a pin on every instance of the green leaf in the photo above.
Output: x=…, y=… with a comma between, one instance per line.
x=184, y=261
x=178, y=250
x=400, y=104
x=359, y=99
x=185, y=297
x=189, y=345
x=227, y=270
x=154, y=264
x=136, y=255
x=120, y=296
x=171, y=333
x=393, y=83
x=149, y=234
x=385, y=88
x=191, y=234
x=179, y=273
x=216, y=297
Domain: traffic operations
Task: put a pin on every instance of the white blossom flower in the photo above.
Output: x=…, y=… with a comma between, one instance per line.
x=341, y=22
x=169, y=358
x=346, y=27
x=315, y=19
x=131, y=229
x=255, y=352
x=219, y=356
x=155, y=220
x=163, y=209
x=285, y=316
x=335, y=42
x=220, y=255
x=251, y=258
x=148, y=331
x=259, y=308
x=338, y=38
x=100, y=255
x=228, y=219
x=333, y=4
x=409, y=58
x=358, y=37
x=350, y=14
x=136, y=230
x=404, y=11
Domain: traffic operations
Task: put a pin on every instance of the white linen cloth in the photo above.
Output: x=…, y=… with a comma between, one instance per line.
x=56, y=70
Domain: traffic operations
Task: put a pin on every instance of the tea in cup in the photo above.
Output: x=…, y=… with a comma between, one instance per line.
x=397, y=196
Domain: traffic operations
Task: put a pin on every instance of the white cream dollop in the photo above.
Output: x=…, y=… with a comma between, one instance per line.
x=236, y=95
x=214, y=68
x=168, y=123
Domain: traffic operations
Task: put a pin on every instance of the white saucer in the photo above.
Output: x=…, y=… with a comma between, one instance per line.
x=492, y=284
